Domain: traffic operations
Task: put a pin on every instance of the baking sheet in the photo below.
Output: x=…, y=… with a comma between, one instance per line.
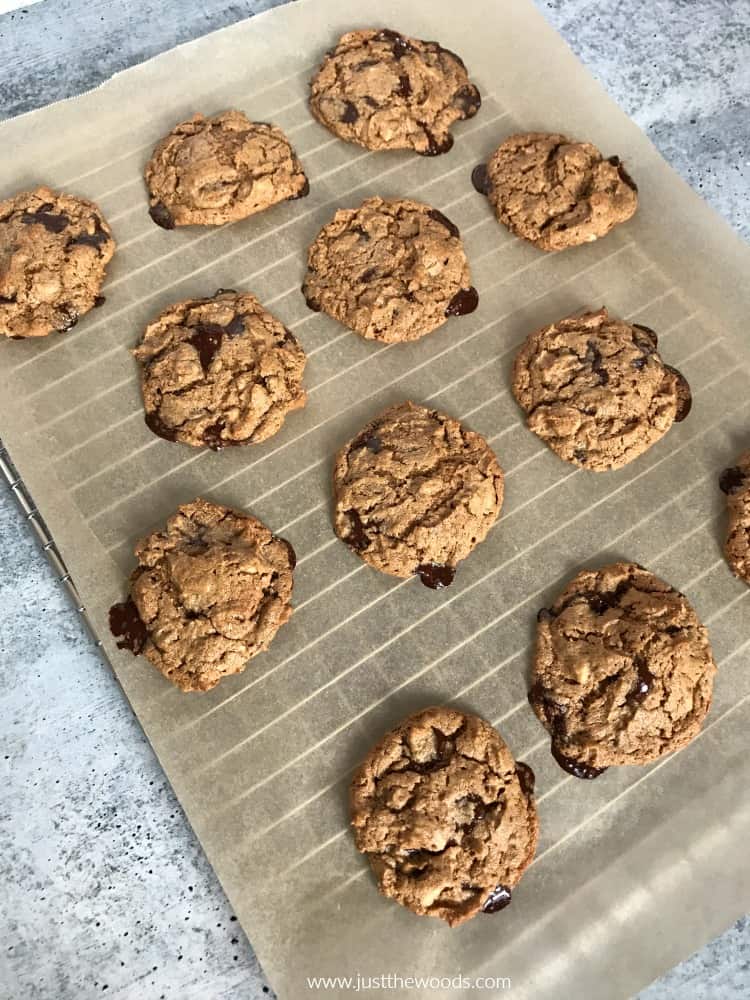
x=633, y=871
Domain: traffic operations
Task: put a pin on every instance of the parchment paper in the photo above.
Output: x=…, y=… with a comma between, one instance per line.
x=634, y=870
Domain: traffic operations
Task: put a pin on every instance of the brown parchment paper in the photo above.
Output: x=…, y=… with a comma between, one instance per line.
x=634, y=870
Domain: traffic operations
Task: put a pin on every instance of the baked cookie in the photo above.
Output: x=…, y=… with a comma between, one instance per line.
x=390, y=270
x=596, y=390
x=209, y=171
x=220, y=371
x=210, y=591
x=554, y=192
x=54, y=251
x=735, y=482
x=623, y=671
x=415, y=492
x=445, y=815
x=382, y=90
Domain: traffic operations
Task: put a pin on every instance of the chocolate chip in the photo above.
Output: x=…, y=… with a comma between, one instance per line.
x=574, y=767
x=445, y=221
x=498, y=899
x=463, y=302
x=161, y=215
x=580, y=456
x=224, y=291
x=236, y=326
x=643, y=682
x=311, y=303
x=125, y=622
x=404, y=86
x=732, y=480
x=357, y=537
x=400, y=45
x=292, y=553
x=207, y=340
x=70, y=318
x=156, y=424
x=350, y=114
x=435, y=148
x=468, y=100
x=212, y=436
x=95, y=239
x=99, y=301
x=526, y=777
x=369, y=441
x=369, y=274
x=624, y=175
x=544, y=615
x=303, y=192
x=480, y=178
x=436, y=576
x=651, y=334
x=594, y=359
x=684, y=395
x=52, y=222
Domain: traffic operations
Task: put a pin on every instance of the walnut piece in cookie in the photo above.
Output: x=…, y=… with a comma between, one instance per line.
x=735, y=482
x=623, y=671
x=210, y=171
x=445, y=815
x=390, y=270
x=555, y=192
x=54, y=251
x=596, y=390
x=415, y=492
x=210, y=592
x=220, y=371
x=382, y=90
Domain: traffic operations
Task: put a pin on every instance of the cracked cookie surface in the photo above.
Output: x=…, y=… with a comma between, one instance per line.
x=554, y=192
x=735, y=482
x=219, y=371
x=382, y=90
x=210, y=592
x=54, y=250
x=415, y=492
x=390, y=270
x=596, y=390
x=445, y=815
x=210, y=171
x=623, y=671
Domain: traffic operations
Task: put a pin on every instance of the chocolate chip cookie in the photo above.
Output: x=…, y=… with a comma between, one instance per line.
x=623, y=671
x=382, y=90
x=445, y=815
x=735, y=482
x=54, y=251
x=210, y=171
x=596, y=390
x=415, y=492
x=390, y=270
x=219, y=371
x=210, y=592
x=555, y=192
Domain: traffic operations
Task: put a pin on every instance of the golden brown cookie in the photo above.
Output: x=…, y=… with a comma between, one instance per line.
x=390, y=270
x=555, y=192
x=210, y=171
x=382, y=90
x=445, y=815
x=415, y=492
x=219, y=371
x=735, y=482
x=596, y=390
x=54, y=251
x=210, y=592
x=623, y=671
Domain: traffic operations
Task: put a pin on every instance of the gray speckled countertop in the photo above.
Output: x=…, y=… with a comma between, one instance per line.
x=105, y=889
